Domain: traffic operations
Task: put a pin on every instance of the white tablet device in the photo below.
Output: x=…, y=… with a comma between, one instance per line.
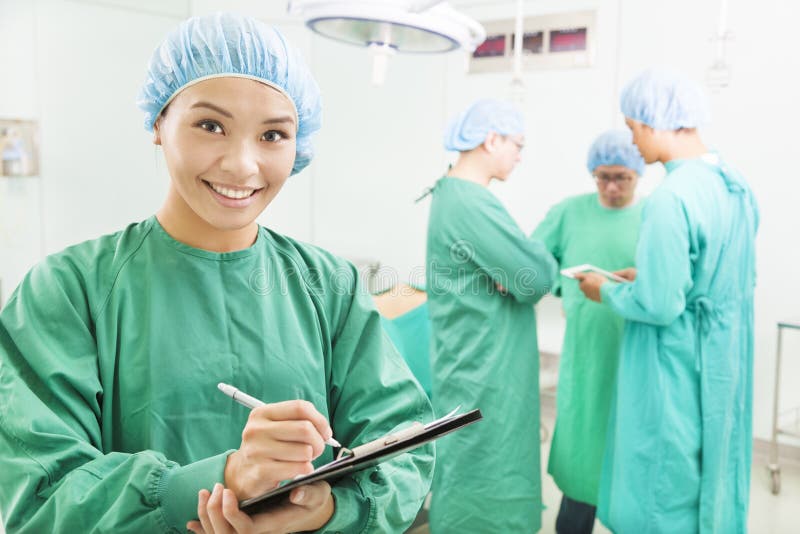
x=588, y=267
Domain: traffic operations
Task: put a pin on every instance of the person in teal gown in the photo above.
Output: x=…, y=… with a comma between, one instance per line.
x=679, y=444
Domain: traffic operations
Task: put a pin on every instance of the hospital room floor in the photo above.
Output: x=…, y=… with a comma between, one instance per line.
x=769, y=514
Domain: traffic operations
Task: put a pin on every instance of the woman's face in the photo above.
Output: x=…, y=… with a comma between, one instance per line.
x=229, y=145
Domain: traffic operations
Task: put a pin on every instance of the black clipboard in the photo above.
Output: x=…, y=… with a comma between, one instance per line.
x=365, y=456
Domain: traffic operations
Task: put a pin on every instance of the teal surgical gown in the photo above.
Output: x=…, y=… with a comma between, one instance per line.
x=110, y=355
x=485, y=355
x=580, y=230
x=680, y=434
x=410, y=333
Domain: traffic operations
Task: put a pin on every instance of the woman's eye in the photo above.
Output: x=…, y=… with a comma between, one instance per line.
x=272, y=136
x=211, y=126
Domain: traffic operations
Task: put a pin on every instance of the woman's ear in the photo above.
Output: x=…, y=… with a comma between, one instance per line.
x=157, y=131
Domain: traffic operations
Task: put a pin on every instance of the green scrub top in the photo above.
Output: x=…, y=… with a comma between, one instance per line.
x=580, y=230
x=110, y=355
x=485, y=355
x=680, y=434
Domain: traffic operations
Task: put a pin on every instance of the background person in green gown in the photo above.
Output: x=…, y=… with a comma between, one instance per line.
x=680, y=437
x=484, y=351
x=110, y=351
x=600, y=228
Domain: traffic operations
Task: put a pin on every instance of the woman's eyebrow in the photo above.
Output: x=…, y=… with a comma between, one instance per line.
x=212, y=107
x=274, y=120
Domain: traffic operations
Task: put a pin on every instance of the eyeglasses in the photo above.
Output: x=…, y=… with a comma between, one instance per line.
x=619, y=178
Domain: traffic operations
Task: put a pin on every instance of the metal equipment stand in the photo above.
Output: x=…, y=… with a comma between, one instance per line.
x=794, y=430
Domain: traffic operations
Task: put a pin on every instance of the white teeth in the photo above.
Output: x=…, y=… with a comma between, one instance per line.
x=231, y=193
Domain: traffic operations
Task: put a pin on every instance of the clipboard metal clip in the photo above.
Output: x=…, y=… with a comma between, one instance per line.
x=384, y=441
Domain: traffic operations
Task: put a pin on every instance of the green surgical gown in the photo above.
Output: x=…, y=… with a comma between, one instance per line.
x=680, y=434
x=110, y=355
x=580, y=230
x=485, y=355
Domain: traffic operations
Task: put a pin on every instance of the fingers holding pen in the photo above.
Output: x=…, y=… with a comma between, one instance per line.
x=279, y=442
x=298, y=410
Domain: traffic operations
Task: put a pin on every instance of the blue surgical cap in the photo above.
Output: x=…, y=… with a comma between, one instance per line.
x=615, y=147
x=665, y=100
x=471, y=127
x=227, y=44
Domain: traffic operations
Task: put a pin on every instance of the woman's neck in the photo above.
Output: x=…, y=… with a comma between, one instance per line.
x=186, y=226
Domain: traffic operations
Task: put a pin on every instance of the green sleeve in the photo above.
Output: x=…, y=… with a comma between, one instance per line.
x=550, y=232
x=663, y=266
x=56, y=475
x=522, y=265
x=372, y=394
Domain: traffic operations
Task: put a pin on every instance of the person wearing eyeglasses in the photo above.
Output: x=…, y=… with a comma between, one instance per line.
x=679, y=447
x=600, y=228
x=484, y=352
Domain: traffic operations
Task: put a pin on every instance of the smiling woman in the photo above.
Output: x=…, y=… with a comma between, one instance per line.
x=229, y=144
x=114, y=347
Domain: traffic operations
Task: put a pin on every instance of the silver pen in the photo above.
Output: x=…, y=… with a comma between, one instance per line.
x=251, y=402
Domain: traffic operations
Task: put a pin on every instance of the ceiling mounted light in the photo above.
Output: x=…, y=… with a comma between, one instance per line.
x=391, y=26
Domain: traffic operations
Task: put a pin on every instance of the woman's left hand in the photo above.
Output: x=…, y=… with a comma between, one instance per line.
x=590, y=284
x=309, y=508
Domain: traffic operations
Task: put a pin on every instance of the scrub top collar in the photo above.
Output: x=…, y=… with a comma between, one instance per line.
x=201, y=253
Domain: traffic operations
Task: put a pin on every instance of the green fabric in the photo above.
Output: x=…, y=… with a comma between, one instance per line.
x=411, y=334
x=110, y=353
x=680, y=438
x=484, y=355
x=580, y=230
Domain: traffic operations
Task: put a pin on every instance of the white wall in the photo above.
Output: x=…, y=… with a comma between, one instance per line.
x=375, y=156
x=20, y=198
x=78, y=65
x=97, y=162
x=71, y=63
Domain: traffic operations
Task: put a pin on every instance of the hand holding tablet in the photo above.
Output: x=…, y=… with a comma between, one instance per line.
x=588, y=267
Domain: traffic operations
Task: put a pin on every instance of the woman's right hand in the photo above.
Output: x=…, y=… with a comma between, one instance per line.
x=279, y=442
x=628, y=274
